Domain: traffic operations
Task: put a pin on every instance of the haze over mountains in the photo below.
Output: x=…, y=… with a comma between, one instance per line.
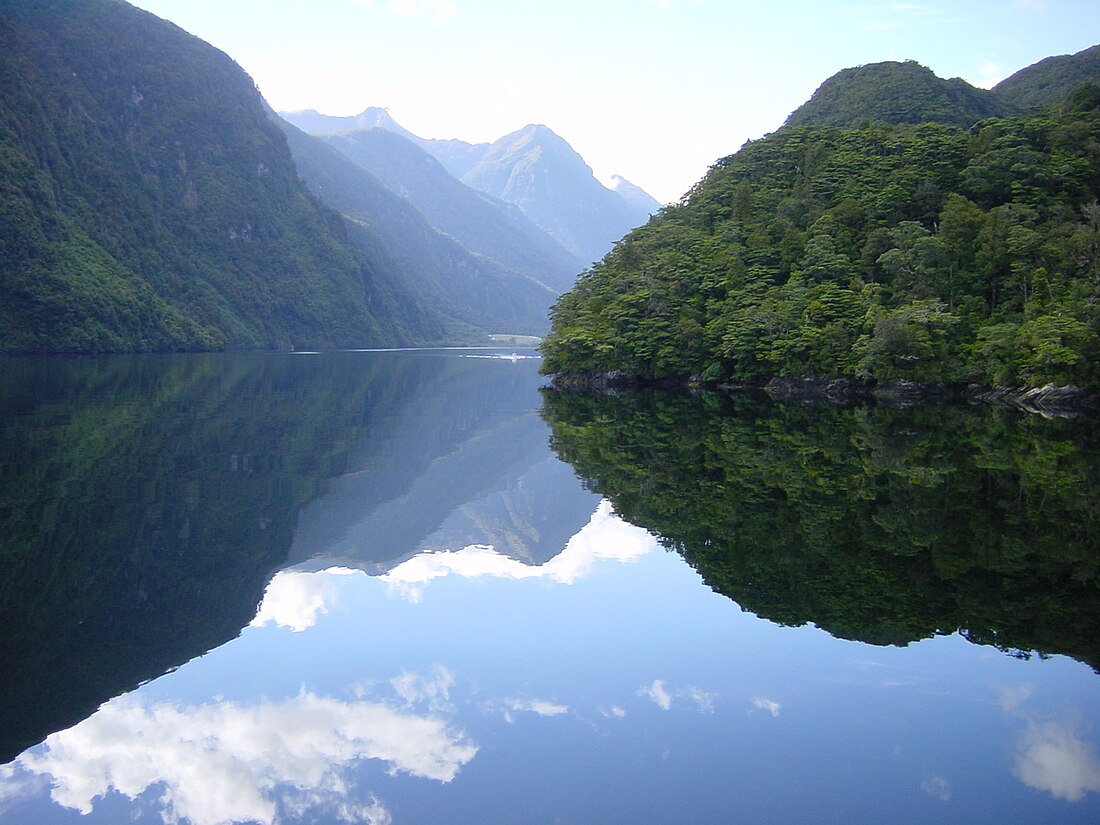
x=533, y=168
x=150, y=200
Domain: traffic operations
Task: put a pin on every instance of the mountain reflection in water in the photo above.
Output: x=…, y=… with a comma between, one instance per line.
x=877, y=524
x=455, y=628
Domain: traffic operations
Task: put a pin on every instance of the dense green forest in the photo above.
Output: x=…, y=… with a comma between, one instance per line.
x=919, y=251
x=878, y=524
x=148, y=203
x=897, y=92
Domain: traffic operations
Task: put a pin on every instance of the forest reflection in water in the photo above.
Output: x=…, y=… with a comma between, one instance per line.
x=877, y=524
x=453, y=629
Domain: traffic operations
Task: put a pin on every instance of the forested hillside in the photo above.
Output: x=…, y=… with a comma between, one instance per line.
x=893, y=92
x=1050, y=80
x=147, y=202
x=925, y=252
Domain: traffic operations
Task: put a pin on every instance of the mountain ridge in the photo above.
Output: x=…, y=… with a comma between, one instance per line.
x=563, y=198
x=149, y=204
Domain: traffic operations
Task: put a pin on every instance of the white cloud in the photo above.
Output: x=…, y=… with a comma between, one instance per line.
x=663, y=697
x=227, y=763
x=658, y=694
x=936, y=787
x=703, y=699
x=606, y=536
x=315, y=806
x=434, y=689
x=613, y=712
x=295, y=600
x=769, y=705
x=1052, y=757
x=542, y=707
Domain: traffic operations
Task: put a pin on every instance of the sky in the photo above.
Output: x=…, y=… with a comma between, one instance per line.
x=652, y=90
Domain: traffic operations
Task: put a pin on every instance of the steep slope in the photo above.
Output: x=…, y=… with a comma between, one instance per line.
x=148, y=203
x=924, y=253
x=472, y=289
x=1050, y=81
x=533, y=169
x=893, y=92
x=542, y=174
x=483, y=225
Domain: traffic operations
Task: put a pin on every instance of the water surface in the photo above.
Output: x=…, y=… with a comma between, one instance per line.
x=744, y=612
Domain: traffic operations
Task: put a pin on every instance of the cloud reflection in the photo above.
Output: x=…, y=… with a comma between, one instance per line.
x=1051, y=755
x=434, y=689
x=769, y=705
x=662, y=697
x=606, y=536
x=295, y=600
x=224, y=763
x=540, y=707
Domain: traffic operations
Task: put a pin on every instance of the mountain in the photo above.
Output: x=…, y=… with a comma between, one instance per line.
x=483, y=225
x=149, y=499
x=472, y=289
x=881, y=253
x=635, y=195
x=1052, y=80
x=148, y=203
x=538, y=171
x=457, y=156
x=532, y=168
x=313, y=122
x=893, y=92
x=452, y=470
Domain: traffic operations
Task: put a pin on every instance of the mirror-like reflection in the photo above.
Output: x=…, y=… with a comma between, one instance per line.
x=380, y=597
x=876, y=524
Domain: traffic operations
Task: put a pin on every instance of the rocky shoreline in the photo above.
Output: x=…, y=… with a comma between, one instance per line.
x=1048, y=400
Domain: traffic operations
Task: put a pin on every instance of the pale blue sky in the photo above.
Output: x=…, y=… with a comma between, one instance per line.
x=653, y=90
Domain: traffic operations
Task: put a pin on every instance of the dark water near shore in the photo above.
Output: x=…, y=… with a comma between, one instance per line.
x=373, y=587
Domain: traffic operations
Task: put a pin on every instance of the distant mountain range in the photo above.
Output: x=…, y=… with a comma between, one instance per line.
x=150, y=200
x=484, y=225
x=386, y=227
x=533, y=168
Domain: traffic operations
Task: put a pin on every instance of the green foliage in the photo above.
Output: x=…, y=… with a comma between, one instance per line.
x=920, y=252
x=147, y=203
x=893, y=92
x=1051, y=80
x=877, y=524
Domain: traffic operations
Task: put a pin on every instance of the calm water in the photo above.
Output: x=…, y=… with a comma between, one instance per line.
x=371, y=588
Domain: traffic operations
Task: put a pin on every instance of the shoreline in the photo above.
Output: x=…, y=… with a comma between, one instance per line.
x=1048, y=400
